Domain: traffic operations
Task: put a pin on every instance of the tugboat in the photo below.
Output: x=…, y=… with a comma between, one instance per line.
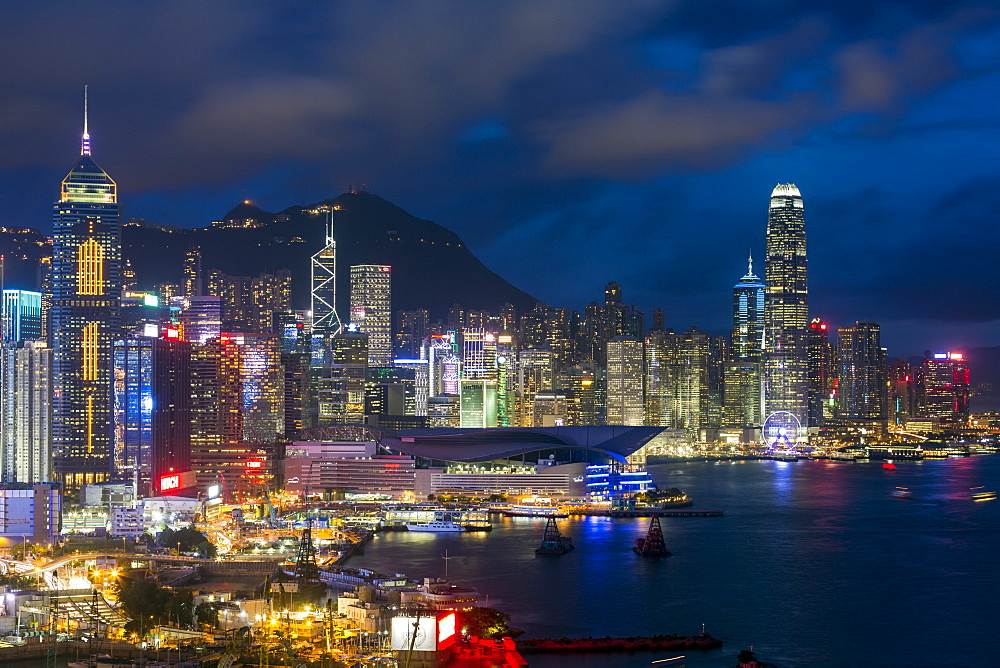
x=552, y=542
x=652, y=544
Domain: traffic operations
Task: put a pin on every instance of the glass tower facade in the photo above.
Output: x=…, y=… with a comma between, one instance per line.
x=85, y=320
x=742, y=380
x=371, y=309
x=786, y=308
x=22, y=315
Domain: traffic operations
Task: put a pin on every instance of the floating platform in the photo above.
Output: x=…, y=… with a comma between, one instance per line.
x=552, y=541
x=652, y=545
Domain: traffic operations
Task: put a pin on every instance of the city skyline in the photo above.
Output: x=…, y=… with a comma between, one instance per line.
x=892, y=147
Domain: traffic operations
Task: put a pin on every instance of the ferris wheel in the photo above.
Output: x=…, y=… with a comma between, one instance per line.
x=781, y=431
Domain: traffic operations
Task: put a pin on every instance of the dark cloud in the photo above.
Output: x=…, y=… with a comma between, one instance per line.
x=569, y=143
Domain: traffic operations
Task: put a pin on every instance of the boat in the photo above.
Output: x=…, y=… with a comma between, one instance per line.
x=983, y=495
x=552, y=541
x=652, y=545
x=888, y=466
x=902, y=493
x=435, y=526
x=533, y=510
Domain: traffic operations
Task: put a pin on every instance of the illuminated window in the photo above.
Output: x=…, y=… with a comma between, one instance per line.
x=90, y=268
x=90, y=351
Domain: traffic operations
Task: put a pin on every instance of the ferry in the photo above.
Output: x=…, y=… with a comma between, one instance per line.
x=533, y=510
x=983, y=495
x=435, y=526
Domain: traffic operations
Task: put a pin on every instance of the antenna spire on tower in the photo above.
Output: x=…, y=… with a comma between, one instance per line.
x=750, y=269
x=85, y=145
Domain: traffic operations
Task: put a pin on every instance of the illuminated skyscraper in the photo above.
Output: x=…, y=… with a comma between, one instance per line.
x=786, y=307
x=153, y=411
x=326, y=322
x=192, y=273
x=946, y=388
x=26, y=412
x=822, y=375
x=22, y=316
x=742, y=379
x=626, y=401
x=371, y=303
x=862, y=393
x=86, y=288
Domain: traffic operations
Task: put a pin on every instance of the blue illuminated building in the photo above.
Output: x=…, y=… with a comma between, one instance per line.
x=611, y=482
x=152, y=409
x=22, y=316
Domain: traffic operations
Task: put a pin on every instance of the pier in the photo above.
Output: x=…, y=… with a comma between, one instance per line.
x=657, y=512
x=609, y=644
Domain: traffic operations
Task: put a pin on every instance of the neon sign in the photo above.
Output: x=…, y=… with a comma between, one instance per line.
x=169, y=482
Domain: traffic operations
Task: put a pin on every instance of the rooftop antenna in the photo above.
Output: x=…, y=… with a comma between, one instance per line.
x=750, y=270
x=85, y=146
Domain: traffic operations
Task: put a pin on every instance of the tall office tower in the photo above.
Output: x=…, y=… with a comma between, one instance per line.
x=742, y=379
x=371, y=309
x=456, y=318
x=26, y=412
x=508, y=319
x=86, y=288
x=437, y=349
x=295, y=366
x=193, y=284
x=45, y=285
x=692, y=395
x=946, y=388
x=216, y=408
x=821, y=372
x=249, y=304
x=862, y=394
x=577, y=383
x=902, y=392
x=390, y=390
x=478, y=403
x=421, y=380
x=479, y=354
x=263, y=386
x=326, y=322
x=152, y=393
x=295, y=330
x=626, y=401
x=660, y=369
x=786, y=308
x=199, y=318
x=21, y=316
x=412, y=327
x=534, y=372
x=341, y=394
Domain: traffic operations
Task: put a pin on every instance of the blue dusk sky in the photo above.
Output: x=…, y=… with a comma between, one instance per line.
x=569, y=143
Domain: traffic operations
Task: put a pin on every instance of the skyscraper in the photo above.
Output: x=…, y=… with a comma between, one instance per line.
x=326, y=322
x=371, y=303
x=626, y=402
x=822, y=374
x=153, y=410
x=26, y=412
x=742, y=378
x=22, y=316
x=786, y=307
x=86, y=288
x=862, y=394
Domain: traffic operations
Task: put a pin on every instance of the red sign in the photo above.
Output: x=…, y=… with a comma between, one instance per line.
x=446, y=630
x=255, y=464
x=168, y=482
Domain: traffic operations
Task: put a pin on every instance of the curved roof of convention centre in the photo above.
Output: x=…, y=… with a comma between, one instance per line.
x=483, y=445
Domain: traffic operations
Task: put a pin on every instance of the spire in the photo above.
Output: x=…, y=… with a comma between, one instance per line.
x=85, y=145
x=750, y=268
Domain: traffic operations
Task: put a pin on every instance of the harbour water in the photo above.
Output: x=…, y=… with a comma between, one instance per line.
x=814, y=564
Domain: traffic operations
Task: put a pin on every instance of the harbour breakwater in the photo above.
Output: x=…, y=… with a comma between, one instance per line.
x=610, y=644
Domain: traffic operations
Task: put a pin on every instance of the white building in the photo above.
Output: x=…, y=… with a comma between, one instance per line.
x=26, y=412
x=30, y=512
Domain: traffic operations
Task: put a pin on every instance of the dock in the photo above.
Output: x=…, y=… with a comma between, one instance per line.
x=659, y=512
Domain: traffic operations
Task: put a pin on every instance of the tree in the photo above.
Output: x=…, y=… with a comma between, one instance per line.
x=166, y=538
x=207, y=614
x=486, y=623
x=206, y=550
